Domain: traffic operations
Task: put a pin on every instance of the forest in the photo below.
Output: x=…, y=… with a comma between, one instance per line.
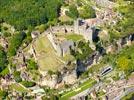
x=28, y=13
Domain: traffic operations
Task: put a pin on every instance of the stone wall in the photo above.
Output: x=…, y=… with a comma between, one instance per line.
x=82, y=28
x=54, y=43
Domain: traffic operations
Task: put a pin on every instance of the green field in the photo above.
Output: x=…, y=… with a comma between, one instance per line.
x=18, y=87
x=46, y=58
x=82, y=87
x=65, y=18
x=74, y=37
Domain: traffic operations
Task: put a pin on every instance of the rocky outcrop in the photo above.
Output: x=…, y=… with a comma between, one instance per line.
x=70, y=78
x=50, y=81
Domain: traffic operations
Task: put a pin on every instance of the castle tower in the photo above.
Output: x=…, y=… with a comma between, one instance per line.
x=76, y=26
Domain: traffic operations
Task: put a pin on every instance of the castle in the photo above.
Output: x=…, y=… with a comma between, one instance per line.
x=86, y=28
x=63, y=47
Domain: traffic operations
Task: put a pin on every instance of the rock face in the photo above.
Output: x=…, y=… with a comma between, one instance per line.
x=70, y=78
x=35, y=34
x=4, y=43
x=110, y=49
x=49, y=81
x=55, y=81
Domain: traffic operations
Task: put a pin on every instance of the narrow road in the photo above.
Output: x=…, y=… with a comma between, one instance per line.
x=87, y=91
x=128, y=89
x=126, y=92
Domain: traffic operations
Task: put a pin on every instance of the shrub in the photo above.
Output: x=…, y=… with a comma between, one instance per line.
x=73, y=12
x=3, y=59
x=15, y=42
x=28, y=83
x=32, y=65
x=17, y=76
x=3, y=94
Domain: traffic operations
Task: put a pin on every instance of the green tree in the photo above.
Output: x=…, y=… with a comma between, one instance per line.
x=15, y=42
x=83, y=51
x=123, y=63
x=3, y=94
x=3, y=59
x=17, y=77
x=32, y=65
x=28, y=83
x=73, y=12
x=29, y=12
x=87, y=12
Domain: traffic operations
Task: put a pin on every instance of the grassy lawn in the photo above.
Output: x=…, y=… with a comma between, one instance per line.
x=18, y=87
x=82, y=87
x=68, y=58
x=65, y=18
x=74, y=37
x=47, y=58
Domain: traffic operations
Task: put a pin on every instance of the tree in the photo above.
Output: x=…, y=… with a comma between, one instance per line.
x=123, y=63
x=28, y=83
x=3, y=94
x=3, y=59
x=83, y=51
x=126, y=25
x=29, y=12
x=32, y=65
x=73, y=12
x=15, y=42
x=17, y=77
x=87, y=12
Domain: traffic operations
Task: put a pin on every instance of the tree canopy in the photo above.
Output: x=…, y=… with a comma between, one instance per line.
x=125, y=60
x=83, y=51
x=3, y=59
x=73, y=12
x=25, y=13
x=126, y=25
x=15, y=42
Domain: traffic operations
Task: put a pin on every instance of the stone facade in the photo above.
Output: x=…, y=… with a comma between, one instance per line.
x=86, y=28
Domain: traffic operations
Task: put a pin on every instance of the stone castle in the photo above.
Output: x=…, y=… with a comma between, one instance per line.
x=80, y=27
x=86, y=28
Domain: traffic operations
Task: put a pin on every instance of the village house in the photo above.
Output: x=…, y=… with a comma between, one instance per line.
x=35, y=34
